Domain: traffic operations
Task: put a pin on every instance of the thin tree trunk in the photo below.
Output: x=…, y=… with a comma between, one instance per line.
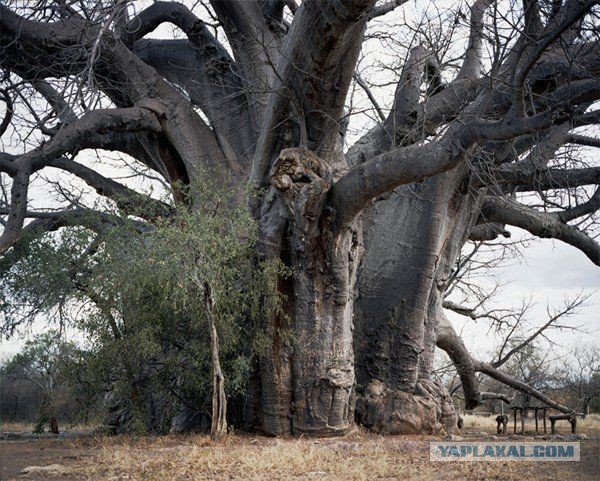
x=218, y=426
x=53, y=425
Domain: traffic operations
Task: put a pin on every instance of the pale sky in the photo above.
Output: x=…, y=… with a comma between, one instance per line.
x=550, y=271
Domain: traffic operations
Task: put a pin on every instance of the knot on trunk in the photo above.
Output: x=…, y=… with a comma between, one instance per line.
x=302, y=180
x=298, y=165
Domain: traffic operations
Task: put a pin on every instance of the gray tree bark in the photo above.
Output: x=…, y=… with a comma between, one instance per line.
x=412, y=239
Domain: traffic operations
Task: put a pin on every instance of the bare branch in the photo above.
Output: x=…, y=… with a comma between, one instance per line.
x=386, y=8
x=365, y=87
x=584, y=140
x=568, y=310
x=544, y=225
x=70, y=139
x=471, y=67
x=5, y=97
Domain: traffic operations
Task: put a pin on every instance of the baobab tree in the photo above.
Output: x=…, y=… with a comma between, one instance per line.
x=371, y=233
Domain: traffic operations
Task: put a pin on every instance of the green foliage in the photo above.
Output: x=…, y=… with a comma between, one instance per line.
x=138, y=297
x=41, y=359
x=40, y=282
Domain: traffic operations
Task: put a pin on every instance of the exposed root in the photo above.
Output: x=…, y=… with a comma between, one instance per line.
x=392, y=411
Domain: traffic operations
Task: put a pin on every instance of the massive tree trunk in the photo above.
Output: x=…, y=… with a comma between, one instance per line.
x=412, y=239
x=307, y=379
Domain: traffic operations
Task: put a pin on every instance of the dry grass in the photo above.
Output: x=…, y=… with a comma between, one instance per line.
x=483, y=423
x=247, y=458
x=27, y=427
x=590, y=423
x=488, y=423
x=360, y=456
x=242, y=458
x=15, y=427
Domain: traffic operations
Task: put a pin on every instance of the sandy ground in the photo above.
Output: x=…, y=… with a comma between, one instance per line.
x=359, y=456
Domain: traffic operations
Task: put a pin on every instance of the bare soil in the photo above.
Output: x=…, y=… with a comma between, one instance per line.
x=244, y=457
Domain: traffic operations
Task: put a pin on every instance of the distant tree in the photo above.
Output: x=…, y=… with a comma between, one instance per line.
x=524, y=349
x=42, y=362
x=579, y=376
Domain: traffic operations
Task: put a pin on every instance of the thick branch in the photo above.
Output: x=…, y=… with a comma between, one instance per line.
x=467, y=367
x=460, y=309
x=547, y=179
x=9, y=111
x=589, y=207
x=256, y=46
x=584, y=140
x=402, y=120
x=81, y=134
x=450, y=342
x=125, y=197
x=59, y=105
x=494, y=373
x=161, y=12
x=574, y=10
x=37, y=50
x=213, y=82
x=540, y=224
x=357, y=188
x=70, y=139
x=492, y=396
x=488, y=231
x=386, y=8
x=128, y=200
x=313, y=80
x=471, y=67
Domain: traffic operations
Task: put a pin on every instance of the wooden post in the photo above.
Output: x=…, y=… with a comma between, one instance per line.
x=552, y=428
x=544, y=414
x=535, y=410
x=573, y=424
x=515, y=419
x=522, y=423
